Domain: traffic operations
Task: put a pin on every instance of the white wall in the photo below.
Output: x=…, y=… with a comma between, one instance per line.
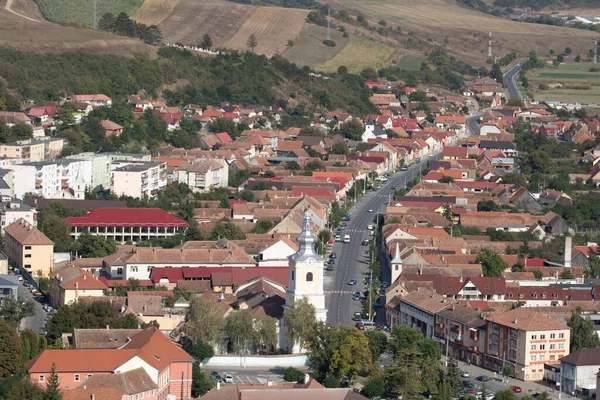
x=258, y=361
x=24, y=179
x=135, y=363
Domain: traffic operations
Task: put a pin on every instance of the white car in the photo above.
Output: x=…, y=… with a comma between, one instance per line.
x=228, y=378
x=465, y=374
x=338, y=238
x=370, y=210
x=370, y=227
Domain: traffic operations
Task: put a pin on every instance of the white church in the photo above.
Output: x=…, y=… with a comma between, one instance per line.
x=305, y=280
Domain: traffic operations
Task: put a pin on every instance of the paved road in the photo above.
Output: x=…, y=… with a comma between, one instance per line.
x=248, y=376
x=352, y=261
x=511, y=85
x=473, y=125
x=36, y=322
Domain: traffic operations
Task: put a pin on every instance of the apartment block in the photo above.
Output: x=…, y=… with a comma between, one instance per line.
x=203, y=174
x=38, y=149
x=138, y=179
x=525, y=340
x=28, y=248
x=101, y=173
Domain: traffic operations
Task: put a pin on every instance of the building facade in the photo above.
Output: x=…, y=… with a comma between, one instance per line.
x=138, y=179
x=28, y=248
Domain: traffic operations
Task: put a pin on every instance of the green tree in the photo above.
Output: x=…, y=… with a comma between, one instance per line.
x=239, y=329
x=202, y=351
x=444, y=391
x=14, y=310
x=57, y=230
x=352, y=357
x=488, y=205
x=447, y=179
x=352, y=129
x=506, y=394
x=583, y=334
x=375, y=387
x=593, y=270
x=431, y=372
x=203, y=322
x=52, y=385
x=403, y=377
x=25, y=350
x=300, y=322
x=292, y=166
x=452, y=377
x=491, y=262
x=340, y=148
x=265, y=333
x=228, y=230
x=207, y=42
x=292, y=374
x=322, y=344
x=377, y=343
x=252, y=42
x=496, y=73
x=202, y=382
x=25, y=389
x=90, y=246
x=331, y=382
x=403, y=338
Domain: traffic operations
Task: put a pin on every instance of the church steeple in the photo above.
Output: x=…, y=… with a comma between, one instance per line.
x=396, y=264
x=306, y=241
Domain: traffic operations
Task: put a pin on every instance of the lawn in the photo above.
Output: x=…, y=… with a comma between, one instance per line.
x=81, y=12
x=360, y=54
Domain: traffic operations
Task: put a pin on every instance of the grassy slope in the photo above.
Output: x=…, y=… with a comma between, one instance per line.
x=567, y=73
x=360, y=54
x=81, y=12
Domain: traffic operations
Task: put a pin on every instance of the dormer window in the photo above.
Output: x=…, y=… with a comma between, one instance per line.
x=521, y=295
x=543, y=295
x=535, y=296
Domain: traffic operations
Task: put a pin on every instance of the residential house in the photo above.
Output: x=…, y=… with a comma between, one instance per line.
x=95, y=100
x=12, y=210
x=133, y=384
x=9, y=284
x=454, y=152
x=11, y=118
x=519, y=197
x=579, y=370
x=111, y=128
x=202, y=175
x=70, y=283
x=463, y=328
x=524, y=339
x=169, y=367
x=28, y=248
x=418, y=309
x=508, y=148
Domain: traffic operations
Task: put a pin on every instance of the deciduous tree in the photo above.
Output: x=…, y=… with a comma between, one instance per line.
x=583, y=333
x=204, y=322
x=14, y=310
x=10, y=350
x=352, y=357
x=300, y=322
x=202, y=382
x=239, y=328
x=252, y=42
x=491, y=262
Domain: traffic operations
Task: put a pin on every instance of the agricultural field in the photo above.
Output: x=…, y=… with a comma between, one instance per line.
x=309, y=49
x=466, y=29
x=410, y=62
x=360, y=54
x=153, y=12
x=231, y=24
x=568, y=74
x=81, y=12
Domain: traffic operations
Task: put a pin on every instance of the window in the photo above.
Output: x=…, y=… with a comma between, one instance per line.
x=542, y=357
x=134, y=268
x=561, y=335
x=27, y=247
x=495, y=328
x=27, y=266
x=41, y=379
x=513, y=343
x=552, y=346
x=542, y=347
x=533, y=358
x=76, y=377
x=553, y=336
x=542, y=337
x=533, y=347
x=88, y=376
x=149, y=268
x=120, y=271
x=535, y=295
x=552, y=357
x=561, y=346
x=533, y=337
x=292, y=275
x=27, y=255
x=309, y=277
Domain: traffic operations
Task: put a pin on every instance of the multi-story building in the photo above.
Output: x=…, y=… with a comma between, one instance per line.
x=44, y=148
x=138, y=179
x=11, y=210
x=464, y=328
x=202, y=175
x=101, y=173
x=28, y=248
x=525, y=340
x=419, y=308
x=127, y=224
x=149, y=350
x=69, y=283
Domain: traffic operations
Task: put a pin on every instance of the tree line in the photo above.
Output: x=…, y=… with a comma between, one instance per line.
x=122, y=25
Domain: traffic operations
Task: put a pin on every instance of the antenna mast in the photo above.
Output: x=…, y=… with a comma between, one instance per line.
x=329, y=23
x=595, y=65
x=490, y=46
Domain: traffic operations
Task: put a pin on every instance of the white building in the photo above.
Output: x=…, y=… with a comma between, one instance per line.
x=418, y=309
x=305, y=281
x=12, y=210
x=203, y=174
x=579, y=370
x=138, y=179
x=101, y=174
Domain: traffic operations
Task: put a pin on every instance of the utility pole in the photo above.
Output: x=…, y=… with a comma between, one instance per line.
x=94, y=24
x=490, y=46
x=329, y=23
x=447, y=342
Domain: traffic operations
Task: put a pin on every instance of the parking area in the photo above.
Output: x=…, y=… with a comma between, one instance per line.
x=249, y=377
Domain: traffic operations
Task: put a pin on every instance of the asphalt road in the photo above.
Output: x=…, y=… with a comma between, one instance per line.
x=36, y=322
x=473, y=125
x=352, y=261
x=511, y=85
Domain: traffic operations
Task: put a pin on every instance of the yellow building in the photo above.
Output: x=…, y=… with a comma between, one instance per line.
x=525, y=339
x=28, y=248
x=70, y=283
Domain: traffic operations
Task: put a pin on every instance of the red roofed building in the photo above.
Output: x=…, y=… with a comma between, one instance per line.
x=167, y=365
x=455, y=152
x=321, y=194
x=127, y=224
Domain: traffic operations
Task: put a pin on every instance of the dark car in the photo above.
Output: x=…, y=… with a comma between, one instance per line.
x=332, y=255
x=482, y=378
x=468, y=384
x=384, y=285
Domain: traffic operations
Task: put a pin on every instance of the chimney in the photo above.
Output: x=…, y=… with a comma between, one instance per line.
x=516, y=321
x=269, y=381
x=107, y=327
x=306, y=378
x=92, y=396
x=84, y=277
x=568, y=248
x=218, y=385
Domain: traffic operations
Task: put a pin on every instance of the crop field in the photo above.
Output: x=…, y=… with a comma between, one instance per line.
x=230, y=25
x=358, y=55
x=153, y=12
x=309, y=49
x=567, y=74
x=466, y=29
x=81, y=12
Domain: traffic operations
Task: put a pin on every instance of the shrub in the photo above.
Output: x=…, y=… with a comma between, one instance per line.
x=329, y=43
x=292, y=374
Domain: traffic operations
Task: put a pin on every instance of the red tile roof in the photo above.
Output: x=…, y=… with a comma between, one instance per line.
x=456, y=151
x=127, y=217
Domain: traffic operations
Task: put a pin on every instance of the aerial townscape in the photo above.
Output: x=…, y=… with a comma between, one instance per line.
x=340, y=200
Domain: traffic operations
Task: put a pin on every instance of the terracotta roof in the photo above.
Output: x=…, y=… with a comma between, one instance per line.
x=96, y=394
x=150, y=217
x=426, y=299
x=27, y=234
x=129, y=383
x=145, y=305
x=221, y=279
x=527, y=319
x=102, y=338
x=72, y=277
x=583, y=357
x=110, y=126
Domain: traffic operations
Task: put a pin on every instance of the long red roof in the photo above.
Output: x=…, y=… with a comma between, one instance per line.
x=145, y=217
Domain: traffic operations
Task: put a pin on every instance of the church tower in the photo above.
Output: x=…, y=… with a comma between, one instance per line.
x=396, y=264
x=305, y=279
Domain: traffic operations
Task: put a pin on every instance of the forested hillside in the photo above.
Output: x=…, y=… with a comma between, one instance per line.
x=241, y=78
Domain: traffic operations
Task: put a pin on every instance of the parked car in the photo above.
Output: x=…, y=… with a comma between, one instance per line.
x=517, y=389
x=356, y=297
x=332, y=255
x=483, y=378
x=377, y=305
x=228, y=378
x=465, y=374
x=370, y=227
x=352, y=282
x=338, y=238
x=384, y=285
x=365, y=242
x=370, y=210
x=20, y=278
x=468, y=384
x=360, y=326
x=356, y=318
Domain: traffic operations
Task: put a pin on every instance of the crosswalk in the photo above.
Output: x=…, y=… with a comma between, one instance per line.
x=339, y=292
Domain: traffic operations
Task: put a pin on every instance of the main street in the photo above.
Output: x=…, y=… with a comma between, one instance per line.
x=511, y=85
